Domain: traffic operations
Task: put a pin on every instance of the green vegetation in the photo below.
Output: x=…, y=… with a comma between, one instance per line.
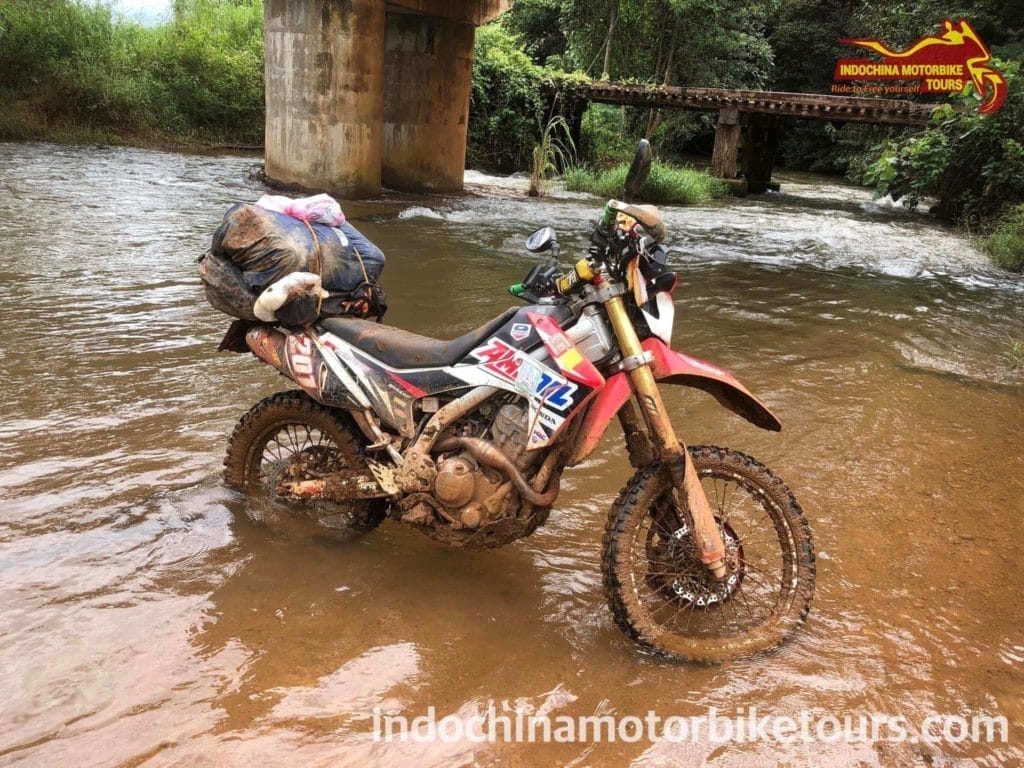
x=667, y=184
x=1006, y=243
x=506, y=104
x=972, y=164
x=74, y=71
x=555, y=150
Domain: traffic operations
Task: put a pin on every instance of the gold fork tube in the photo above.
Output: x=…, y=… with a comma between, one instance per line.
x=674, y=453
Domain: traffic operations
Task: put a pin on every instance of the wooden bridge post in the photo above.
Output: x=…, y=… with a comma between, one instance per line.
x=577, y=108
x=760, y=141
x=724, y=157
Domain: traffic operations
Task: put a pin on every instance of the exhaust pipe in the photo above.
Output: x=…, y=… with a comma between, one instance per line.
x=491, y=456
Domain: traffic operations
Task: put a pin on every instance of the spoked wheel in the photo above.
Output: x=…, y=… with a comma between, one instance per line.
x=289, y=437
x=663, y=596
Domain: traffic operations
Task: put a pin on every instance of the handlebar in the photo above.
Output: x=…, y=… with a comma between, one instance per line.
x=546, y=280
x=647, y=216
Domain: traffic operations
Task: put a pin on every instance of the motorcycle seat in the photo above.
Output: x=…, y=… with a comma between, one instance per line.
x=396, y=348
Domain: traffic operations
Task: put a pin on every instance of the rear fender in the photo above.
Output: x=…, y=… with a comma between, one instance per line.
x=672, y=368
x=298, y=357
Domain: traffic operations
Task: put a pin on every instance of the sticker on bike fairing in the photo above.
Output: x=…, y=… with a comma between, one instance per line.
x=538, y=439
x=567, y=357
x=529, y=377
x=303, y=361
x=391, y=395
x=536, y=380
x=519, y=331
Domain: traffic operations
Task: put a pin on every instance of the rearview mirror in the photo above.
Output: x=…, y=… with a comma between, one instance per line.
x=544, y=239
x=638, y=171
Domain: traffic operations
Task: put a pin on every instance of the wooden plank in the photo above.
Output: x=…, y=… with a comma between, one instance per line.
x=807, y=105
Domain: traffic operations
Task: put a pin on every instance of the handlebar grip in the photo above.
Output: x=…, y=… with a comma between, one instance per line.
x=646, y=215
x=518, y=289
x=608, y=217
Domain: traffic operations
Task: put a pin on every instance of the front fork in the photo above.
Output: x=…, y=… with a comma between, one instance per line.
x=674, y=454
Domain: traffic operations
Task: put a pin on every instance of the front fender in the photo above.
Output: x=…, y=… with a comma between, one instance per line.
x=672, y=368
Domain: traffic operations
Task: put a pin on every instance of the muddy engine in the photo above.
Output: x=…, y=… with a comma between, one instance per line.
x=478, y=502
x=510, y=432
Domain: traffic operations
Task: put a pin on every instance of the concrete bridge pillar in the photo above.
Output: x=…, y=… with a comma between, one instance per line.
x=428, y=75
x=360, y=90
x=324, y=76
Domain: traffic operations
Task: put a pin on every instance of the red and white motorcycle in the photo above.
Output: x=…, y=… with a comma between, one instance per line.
x=706, y=553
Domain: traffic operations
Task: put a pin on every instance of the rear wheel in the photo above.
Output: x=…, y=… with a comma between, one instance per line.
x=290, y=437
x=663, y=596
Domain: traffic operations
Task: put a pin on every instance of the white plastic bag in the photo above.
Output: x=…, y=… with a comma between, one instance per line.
x=318, y=209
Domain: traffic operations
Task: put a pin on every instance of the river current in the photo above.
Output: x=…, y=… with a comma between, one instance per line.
x=149, y=619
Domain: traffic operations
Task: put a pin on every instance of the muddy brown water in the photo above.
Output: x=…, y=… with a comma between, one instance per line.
x=149, y=616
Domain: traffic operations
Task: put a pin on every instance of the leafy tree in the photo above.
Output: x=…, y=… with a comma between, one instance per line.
x=681, y=42
x=804, y=35
x=538, y=24
x=973, y=164
x=506, y=102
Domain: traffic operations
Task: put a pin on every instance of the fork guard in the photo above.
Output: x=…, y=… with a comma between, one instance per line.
x=672, y=368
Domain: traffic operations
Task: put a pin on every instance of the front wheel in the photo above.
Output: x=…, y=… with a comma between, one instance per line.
x=663, y=596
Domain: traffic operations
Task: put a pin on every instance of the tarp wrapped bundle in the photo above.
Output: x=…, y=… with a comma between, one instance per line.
x=255, y=247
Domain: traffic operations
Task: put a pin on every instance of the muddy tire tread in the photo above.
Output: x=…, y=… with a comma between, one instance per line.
x=625, y=612
x=295, y=406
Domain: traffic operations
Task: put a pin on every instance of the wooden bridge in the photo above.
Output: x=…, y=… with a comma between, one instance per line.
x=747, y=134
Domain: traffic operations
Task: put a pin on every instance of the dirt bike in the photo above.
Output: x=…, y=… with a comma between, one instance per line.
x=706, y=553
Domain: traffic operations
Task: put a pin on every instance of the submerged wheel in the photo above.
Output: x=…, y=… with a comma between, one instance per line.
x=662, y=595
x=289, y=436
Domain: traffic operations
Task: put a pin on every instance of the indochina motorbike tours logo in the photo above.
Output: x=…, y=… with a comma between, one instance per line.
x=942, y=63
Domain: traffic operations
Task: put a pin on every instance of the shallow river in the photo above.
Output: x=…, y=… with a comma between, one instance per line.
x=146, y=619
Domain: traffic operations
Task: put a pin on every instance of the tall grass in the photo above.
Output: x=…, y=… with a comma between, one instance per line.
x=667, y=183
x=555, y=150
x=1006, y=243
x=74, y=68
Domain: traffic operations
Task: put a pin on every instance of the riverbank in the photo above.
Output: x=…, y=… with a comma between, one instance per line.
x=668, y=184
x=77, y=71
x=1006, y=242
x=82, y=136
